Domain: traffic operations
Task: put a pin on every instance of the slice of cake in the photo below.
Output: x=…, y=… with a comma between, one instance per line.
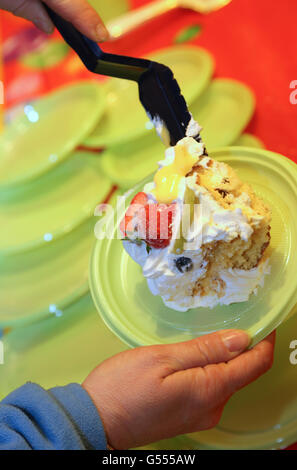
x=199, y=233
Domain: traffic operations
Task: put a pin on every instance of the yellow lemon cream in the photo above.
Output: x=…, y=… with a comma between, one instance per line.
x=178, y=163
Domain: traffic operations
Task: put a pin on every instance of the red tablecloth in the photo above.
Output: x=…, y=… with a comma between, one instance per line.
x=252, y=41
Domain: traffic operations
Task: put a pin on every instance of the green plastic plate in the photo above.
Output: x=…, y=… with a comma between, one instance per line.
x=192, y=67
x=49, y=54
x=224, y=110
x=58, y=350
x=51, y=206
x=48, y=131
x=127, y=306
x=129, y=163
x=38, y=283
x=249, y=140
x=110, y=9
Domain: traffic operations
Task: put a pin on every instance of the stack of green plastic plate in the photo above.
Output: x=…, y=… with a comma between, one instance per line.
x=48, y=193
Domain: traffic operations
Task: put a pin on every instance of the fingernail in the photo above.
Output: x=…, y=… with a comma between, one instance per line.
x=44, y=26
x=101, y=33
x=236, y=341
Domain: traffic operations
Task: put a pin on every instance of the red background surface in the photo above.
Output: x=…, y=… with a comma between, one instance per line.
x=254, y=41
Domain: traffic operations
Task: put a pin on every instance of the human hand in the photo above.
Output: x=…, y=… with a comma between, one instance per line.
x=78, y=12
x=157, y=392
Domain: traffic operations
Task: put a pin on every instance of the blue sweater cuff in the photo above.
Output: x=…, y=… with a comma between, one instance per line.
x=83, y=413
x=63, y=418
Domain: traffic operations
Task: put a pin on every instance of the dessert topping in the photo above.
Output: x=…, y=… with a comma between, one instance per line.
x=184, y=264
x=150, y=222
x=178, y=163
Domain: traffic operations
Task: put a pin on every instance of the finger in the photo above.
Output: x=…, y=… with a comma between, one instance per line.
x=209, y=349
x=82, y=16
x=216, y=383
x=31, y=10
x=251, y=364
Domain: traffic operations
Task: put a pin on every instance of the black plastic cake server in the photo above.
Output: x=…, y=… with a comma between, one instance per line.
x=158, y=90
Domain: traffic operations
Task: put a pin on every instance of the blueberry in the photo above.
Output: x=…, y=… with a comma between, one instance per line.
x=184, y=264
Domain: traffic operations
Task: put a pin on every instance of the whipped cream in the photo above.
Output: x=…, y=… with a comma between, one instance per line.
x=175, y=288
x=161, y=129
x=193, y=129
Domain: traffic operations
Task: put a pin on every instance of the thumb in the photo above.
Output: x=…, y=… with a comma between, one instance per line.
x=82, y=15
x=250, y=365
x=31, y=10
x=214, y=348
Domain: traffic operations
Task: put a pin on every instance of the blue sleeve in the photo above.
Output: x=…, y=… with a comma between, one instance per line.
x=62, y=418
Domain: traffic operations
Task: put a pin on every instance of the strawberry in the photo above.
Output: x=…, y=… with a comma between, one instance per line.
x=153, y=221
x=137, y=202
x=140, y=198
x=156, y=224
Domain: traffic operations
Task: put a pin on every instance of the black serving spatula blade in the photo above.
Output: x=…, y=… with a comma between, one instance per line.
x=158, y=90
x=165, y=105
